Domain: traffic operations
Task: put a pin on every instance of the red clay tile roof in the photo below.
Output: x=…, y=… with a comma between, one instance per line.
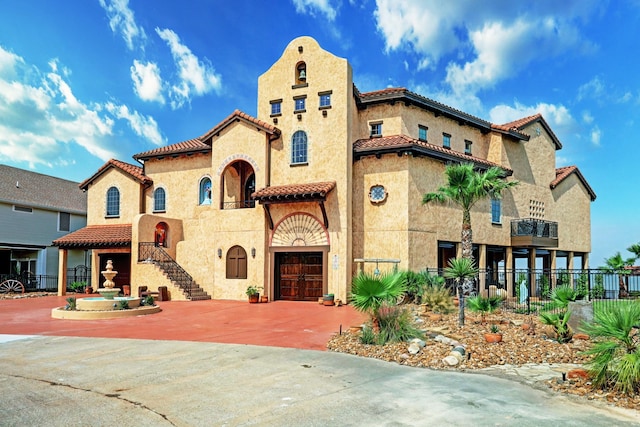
x=294, y=192
x=236, y=116
x=97, y=236
x=395, y=143
x=184, y=147
x=517, y=126
x=564, y=172
x=135, y=172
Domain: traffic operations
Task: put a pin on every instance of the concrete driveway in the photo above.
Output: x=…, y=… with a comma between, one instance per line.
x=62, y=381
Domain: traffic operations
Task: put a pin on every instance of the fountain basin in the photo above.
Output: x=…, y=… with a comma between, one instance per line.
x=101, y=303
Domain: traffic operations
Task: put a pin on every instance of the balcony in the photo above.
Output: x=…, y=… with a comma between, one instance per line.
x=243, y=204
x=534, y=232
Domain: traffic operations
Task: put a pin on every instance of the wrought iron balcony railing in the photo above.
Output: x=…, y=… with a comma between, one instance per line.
x=534, y=228
x=242, y=204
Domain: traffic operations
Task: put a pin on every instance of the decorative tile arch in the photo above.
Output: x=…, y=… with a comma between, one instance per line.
x=226, y=162
x=299, y=229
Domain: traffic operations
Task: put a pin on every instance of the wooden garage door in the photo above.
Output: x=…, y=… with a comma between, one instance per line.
x=299, y=276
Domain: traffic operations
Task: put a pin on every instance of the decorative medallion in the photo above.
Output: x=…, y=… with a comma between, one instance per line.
x=299, y=230
x=377, y=194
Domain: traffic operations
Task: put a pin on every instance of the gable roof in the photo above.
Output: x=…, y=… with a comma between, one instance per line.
x=135, y=172
x=403, y=143
x=401, y=94
x=237, y=116
x=32, y=189
x=519, y=124
x=564, y=172
x=97, y=236
x=190, y=146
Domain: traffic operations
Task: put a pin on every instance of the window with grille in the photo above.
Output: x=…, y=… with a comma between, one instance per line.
x=422, y=133
x=446, y=140
x=299, y=148
x=496, y=211
x=159, y=200
x=113, y=202
x=64, y=221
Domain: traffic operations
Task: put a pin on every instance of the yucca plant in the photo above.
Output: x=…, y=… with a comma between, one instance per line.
x=616, y=355
x=414, y=284
x=396, y=325
x=437, y=298
x=462, y=271
x=369, y=292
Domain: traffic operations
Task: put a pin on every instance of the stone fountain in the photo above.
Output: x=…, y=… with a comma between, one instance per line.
x=109, y=291
x=107, y=306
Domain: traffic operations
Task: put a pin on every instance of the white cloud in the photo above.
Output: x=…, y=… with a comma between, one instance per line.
x=121, y=20
x=482, y=44
x=587, y=117
x=196, y=76
x=143, y=126
x=312, y=6
x=147, y=82
x=558, y=116
x=43, y=122
x=593, y=89
x=596, y=135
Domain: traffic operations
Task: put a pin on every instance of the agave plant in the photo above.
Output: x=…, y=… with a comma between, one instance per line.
x=369, y=292
x=616, y=353
x=484, y=305
x=560, y=324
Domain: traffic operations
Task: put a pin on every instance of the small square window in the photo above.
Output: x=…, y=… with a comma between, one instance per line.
x=422, y=133
x=325, y=100
x=376, y=129
x=300, y=104
x=446, y=140
x=467, y=147
x=276, y=108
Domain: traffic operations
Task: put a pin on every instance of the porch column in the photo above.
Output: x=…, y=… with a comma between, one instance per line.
x=62, y=272
x=570, y=255
x=508, y=263
x=552, y=256
x=585, y=260
x=482, y=267
x=95, y=270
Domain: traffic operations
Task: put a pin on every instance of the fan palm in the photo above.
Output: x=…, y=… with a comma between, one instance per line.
x=616, y=265
x=465, y=187
x=369, y=292
x=462, y=271
x=616, y=355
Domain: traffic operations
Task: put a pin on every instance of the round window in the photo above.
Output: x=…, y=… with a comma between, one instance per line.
x=377, y=194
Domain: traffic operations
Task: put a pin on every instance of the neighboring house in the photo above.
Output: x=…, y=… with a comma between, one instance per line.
x=36, y=209
x=322, y=177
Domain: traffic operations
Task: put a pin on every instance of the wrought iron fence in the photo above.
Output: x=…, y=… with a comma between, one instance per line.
x=34, y=282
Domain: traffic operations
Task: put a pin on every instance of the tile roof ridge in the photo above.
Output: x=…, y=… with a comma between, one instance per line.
x=231, y=118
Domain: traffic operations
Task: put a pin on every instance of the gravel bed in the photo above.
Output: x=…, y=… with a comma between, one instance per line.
x=518, y=347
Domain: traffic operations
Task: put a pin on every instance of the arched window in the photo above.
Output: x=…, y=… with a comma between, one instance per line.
x=205, y=192
x=301, y=73
x=236, y=263
x=159, y=200
x=113, y=202
x=299, y=148
x=249, y=188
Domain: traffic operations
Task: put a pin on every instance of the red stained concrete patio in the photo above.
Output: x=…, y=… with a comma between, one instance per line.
x=304, y=325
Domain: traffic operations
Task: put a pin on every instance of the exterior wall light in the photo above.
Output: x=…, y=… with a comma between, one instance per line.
x=219, y=252
x=253, y=252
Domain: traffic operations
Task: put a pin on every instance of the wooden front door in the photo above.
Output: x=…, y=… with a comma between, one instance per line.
x=299, y=276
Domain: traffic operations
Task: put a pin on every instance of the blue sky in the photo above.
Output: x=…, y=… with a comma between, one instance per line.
x=82, y=81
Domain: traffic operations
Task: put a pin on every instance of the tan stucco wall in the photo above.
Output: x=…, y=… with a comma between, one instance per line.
x=97, y=198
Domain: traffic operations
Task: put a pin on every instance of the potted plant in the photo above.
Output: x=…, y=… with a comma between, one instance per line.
x=253, y=293
x=78, y=286
x=494, y=335
x=328, y=299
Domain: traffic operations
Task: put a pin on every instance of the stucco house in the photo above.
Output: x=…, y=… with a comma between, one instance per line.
x=324, y=181
x=36, y=209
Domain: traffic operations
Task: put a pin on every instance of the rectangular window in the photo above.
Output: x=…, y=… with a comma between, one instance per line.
x=422, y=133
x=64, y=221
x=446, y=140
x=276, y=107
x=496, y=211
x=325, y=99
x=300, y=103
x=467, y=147
x=376, y=129
x=22, y=209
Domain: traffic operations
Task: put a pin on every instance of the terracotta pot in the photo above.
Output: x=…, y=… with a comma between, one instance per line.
x=492, y=338
x=254, y=299
x=88, y=290
x=264, y=298
x=320, y=300
x=328, y=302
x=435, y=317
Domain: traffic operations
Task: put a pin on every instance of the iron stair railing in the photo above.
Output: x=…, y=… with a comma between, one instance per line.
x=151, y=253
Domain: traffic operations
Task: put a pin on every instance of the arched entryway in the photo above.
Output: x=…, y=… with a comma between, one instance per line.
x=161, y=234
x=299, y=245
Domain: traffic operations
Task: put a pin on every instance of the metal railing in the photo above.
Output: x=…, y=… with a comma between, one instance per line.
x=242, y=204
x=534, y=227
x=151, y=253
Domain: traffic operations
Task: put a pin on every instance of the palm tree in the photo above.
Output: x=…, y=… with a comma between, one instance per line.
x=461, y=270
x=370, y=292
x=616, y=265
x=465, y=187
x=616, y=355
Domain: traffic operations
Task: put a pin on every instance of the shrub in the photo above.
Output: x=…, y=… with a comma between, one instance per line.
x=560, y=324
x=368, y=292
x=616, y=356
x=484, y=305
x=414, y=284
x=438, y=299
x=396, y=325
x=71, y=304
x=367, y=336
